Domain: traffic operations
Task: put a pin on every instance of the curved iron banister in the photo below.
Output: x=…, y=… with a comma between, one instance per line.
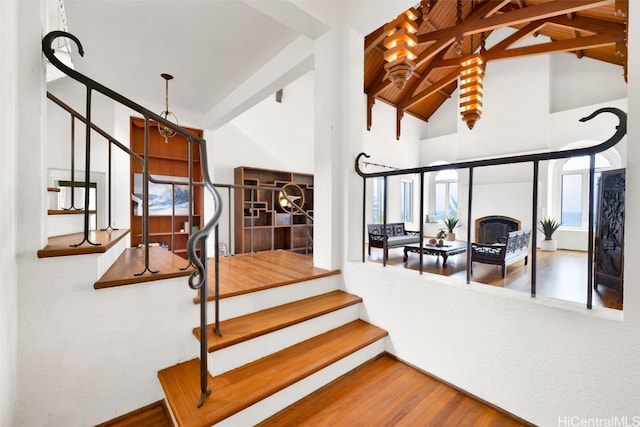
x=198, y=279
x=535, y=158
x=621, y=130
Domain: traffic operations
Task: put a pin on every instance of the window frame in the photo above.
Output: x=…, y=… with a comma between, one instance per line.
x=447, y=181
x=585, y=203
x=406, y=200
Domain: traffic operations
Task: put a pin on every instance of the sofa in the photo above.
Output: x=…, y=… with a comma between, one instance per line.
x=396, y=236
x=508, y=250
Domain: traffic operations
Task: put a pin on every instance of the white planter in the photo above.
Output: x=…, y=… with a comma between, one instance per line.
x=548, y=245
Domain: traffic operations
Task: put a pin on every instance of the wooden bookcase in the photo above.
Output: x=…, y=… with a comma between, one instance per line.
x=258, y=216
x=169, y=160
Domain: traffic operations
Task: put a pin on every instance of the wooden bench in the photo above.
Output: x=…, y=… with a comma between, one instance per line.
x=514, y=248
x=396, y=236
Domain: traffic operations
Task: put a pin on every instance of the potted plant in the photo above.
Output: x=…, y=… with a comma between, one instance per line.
x=440, y=236
x=548, y=226
x=451, y=223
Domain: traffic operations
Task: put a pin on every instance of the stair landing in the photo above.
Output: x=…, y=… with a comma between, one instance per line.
x=129, y=267
x=61, y=245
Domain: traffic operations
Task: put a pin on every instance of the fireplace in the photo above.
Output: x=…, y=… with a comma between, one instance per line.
x=489, y=228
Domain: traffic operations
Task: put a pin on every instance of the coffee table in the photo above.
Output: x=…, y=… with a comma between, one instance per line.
x=445, y=251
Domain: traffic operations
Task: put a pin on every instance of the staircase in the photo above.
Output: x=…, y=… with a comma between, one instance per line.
x=278, y=344
x=269, y=359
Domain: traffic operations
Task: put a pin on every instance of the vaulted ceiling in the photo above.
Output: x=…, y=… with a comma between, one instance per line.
x=449, y=30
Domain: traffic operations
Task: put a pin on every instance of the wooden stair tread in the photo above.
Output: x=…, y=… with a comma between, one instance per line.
x=240, y=388
x=131, y=262
x=61, y=245
x=68, y=212
x=245, y=273
x=263, y=322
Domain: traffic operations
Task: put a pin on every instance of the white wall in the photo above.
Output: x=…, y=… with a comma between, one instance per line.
x=578, y=82
x=270, y=135
x=9, y=214
x=87, y=356
x=380, y=143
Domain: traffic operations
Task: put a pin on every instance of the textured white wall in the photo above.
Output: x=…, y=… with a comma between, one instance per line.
x=97, y=350
x=8, y=215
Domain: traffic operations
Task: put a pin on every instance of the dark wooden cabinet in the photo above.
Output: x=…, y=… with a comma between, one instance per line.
x=609, y=256
x=166, y=159
x=261, y=223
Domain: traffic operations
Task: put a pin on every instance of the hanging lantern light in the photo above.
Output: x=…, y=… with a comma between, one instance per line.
x=166, y=114
x=400, y=45
x=471, y=76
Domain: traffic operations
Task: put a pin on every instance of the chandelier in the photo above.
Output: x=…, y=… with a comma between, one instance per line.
x=400, y=45
x=471, y=89
x=165, y=131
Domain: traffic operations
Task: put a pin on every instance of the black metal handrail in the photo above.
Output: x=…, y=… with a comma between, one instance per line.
x=621, y=130
x=198, y=279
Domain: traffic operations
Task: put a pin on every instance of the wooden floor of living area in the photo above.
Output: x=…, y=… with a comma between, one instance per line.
x=561, y=274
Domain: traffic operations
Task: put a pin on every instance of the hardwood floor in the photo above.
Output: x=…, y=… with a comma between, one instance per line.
x=250, y=272
x=386, y=392
x=561, y=274
x=153, y=415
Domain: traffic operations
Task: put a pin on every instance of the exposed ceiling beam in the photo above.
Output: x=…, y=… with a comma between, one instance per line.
x=451, y=77
x=581, y=43
x=476, y=24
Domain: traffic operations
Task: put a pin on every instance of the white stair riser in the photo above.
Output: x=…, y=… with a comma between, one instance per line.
x=106, y=260
x=278, y=401
x=268, y=298
x=240, y=354
x=60, y=225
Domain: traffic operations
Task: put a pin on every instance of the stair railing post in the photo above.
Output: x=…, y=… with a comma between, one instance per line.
x=590, y=226
x=110, y=171
x=87, y=172
x=204, y=341
x=534, y=222
x=469, y=213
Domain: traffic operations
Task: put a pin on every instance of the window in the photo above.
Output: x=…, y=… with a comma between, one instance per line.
x=574, y=203
x=445, y=193
x=378, y=200
x=406, y=201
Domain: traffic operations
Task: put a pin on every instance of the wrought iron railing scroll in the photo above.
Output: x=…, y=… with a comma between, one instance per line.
x=198, y=279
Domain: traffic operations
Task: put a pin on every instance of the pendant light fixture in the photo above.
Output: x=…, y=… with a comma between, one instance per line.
x=400, y=45
x=471, y=89
x=166, y=114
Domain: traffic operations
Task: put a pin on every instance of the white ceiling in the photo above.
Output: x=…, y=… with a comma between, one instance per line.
x=219, y=51
x=210, y=47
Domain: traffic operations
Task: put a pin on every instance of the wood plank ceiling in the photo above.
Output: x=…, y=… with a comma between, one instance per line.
x=449, y=30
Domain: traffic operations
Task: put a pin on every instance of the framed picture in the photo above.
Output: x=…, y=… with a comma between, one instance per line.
x=161, y=199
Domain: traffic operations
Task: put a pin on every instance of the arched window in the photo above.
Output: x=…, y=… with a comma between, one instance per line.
x=445, y=194
x=574, y=204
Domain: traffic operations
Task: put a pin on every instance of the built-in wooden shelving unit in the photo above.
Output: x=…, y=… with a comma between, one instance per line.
x=260, y=222
x=166, y=159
